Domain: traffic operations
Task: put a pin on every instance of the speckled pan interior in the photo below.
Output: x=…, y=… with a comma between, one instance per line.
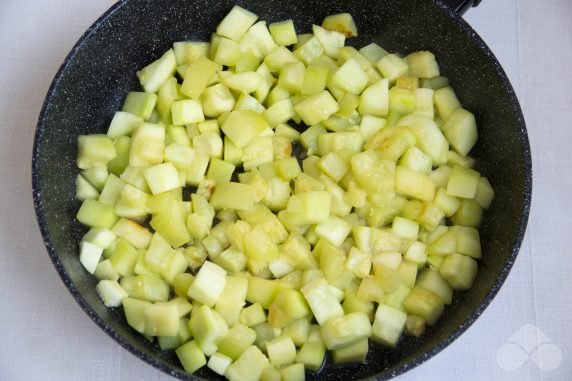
x=101, y=67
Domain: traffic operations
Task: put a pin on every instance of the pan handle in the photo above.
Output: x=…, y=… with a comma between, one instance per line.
x=461, y=6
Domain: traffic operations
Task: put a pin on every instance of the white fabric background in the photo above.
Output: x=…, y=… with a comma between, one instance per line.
x=45, y=335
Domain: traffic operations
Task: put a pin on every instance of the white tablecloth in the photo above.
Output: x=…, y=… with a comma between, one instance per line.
x=525, y=334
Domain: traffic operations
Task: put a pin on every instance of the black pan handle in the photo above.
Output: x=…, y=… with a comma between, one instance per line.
x=461, y=6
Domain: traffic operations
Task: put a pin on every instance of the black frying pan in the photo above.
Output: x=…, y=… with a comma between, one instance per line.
x=101, y=68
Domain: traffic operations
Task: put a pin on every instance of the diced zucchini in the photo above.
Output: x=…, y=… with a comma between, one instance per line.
x=341, y=22
x=463, y=182
x=459, y=270
x=322, y=302
x=316, y=108
x=249, y=366
x=140, y=103
x=208, y=284
x=339, y=332
x=152, y=76
x=191, y=356
x=446, y=102
x=424, y=304
x=388, y=325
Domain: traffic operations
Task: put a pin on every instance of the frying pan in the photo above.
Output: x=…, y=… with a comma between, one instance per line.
x=100, y=69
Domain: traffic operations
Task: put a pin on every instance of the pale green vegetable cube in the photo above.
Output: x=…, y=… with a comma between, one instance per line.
x=140, y=103
x=89, y=255
x=134, y=313
x=467, y=241
x=351, y=77
x=339, y=332
x=245, y=82
x=152, y=76
x=396, y=298
x=232, y=299
x=373, y=52
x=459, y=271
x=161, y=319
x=281, y=351
x=392, y=66
x=132, y=203
x=448, y=204
x=236, y=23
x=461, y=131
x=314, y=80
x=354, y=353
x=236, y=341
x=407, y=272
x=432, y=281
x=298, y=331
x=187, y=111
x=416, y=160
x=312, y=355
x=435, y=83
x=198, y=77
x=401, y=100
x=405, y=228
x=374, y=100
x=252, y=315
x=110, y=292
x=123, y=123
x=341, y=22
x=322, y=302
x=219, y=363
x=414, y=184
x=316, y=108
x=485, y=193
x=429, y=138
x=208, y=284
x=280, y=112
x=291, y=76
x=226, y=52
x=331, y=40
x=331, y=165
x=309, y=50
x=283, y=33
x=167, y=94
x=94, y=151
x=270, y=373
x=209, y=144
x=217, y=100
x=191, y=356
x=101, y=237
x=243, y=126
x=84, y=190
x=150, y=287
x=195, y=174
x=359, y=263
x=424, y=304
x=446, y=102
x=233, y=196
x=249, y=366
x=187, y=52
x=444, y=245
x=335, y=230
x=123, y=257
x=416, y=253
x=309, y=208
x=207, y=327
x=259, y=150
x=181, y=156
x=147, y=145
x=258, y=40
x=463, y=182
x=423, y=64
x=424, y=103
x=288, y=306
x=293, y=372
x=388, y=325
x=96, y=214
x=162, y=178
